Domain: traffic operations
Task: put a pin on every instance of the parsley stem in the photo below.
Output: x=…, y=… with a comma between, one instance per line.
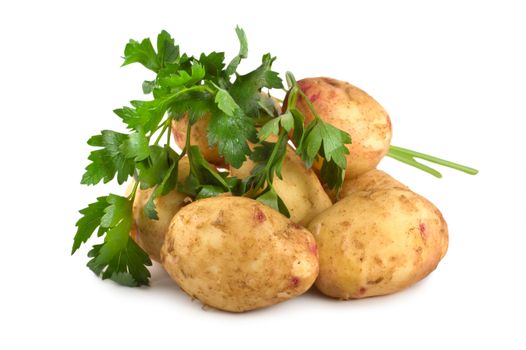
x=309, y=104
x=169, y=133
x=408, y=156
x=131, y=197
x=165, y=126
x=268, y=167
x=188, y=132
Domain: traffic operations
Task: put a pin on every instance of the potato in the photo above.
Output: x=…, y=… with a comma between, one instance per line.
x=300, y=189
x=198, y=137
x=375, y=243
x=236, y=254
x=149, y=234
x=372, y=180
x=350, y=109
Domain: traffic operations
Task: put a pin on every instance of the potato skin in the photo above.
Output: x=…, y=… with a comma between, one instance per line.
x=353, y=110
x=149, y=234
x=300, y=189
x=373, y=180
x=376, y=243
x=236, y=254
x=198, y=137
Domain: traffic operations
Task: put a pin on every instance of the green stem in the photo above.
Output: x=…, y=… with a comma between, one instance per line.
x=169, y=134
x=154, y=131
x=188, y=131
x=165, y=126
x=275, y=150
x=131, y=197
x=408, y=156
x=309, y=104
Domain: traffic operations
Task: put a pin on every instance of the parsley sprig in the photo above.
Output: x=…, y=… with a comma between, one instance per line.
x=183, y=86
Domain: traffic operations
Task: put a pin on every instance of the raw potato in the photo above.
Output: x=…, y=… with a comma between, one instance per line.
x=375, y=243
x=149, y=234
x=198, y=138
x=236, y=254
x=373, y=180
x=350, y=109
x=300, y=189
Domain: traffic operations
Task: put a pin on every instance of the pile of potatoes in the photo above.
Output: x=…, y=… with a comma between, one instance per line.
x=236, y=254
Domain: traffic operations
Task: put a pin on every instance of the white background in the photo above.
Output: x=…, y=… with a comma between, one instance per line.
x=452, y=76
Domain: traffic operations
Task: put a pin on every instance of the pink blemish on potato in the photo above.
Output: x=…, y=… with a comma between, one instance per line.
x=314, y=97
x=178, y=135
x=304, y=86
x=295, y=226
x=313, y=247
x=294, y=281
x=423, y=230
x=259, y=216
x=362, y=290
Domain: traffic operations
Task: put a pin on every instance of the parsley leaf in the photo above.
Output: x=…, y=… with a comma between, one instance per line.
x=213, y=64
x=136, y=146
x=118, y=220
x=326, y=140
x=168, y=183
x=167, y=51
x=183, y=78
x=230, y=133
x=130, y=117
x=150, y=113
x=246, y=88
x=268, y=157
x=127, y=267
x=90, y=220
x=286, y=120
x=225, y=102
x=119, y=257
x=332, y=174
x=152, y=170
x=109, y=160
x=166, y=179
x=203, y=171
x=148, y=86
x=195, y=104
x=243, y=52
x=208, y=191
x=143, y=53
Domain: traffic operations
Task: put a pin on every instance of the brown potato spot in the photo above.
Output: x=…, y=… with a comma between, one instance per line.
x=219, y=220
x=358, y=244
x=379, y=261
x=376, y=281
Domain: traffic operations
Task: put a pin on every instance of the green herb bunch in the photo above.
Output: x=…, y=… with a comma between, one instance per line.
x=235, y=105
